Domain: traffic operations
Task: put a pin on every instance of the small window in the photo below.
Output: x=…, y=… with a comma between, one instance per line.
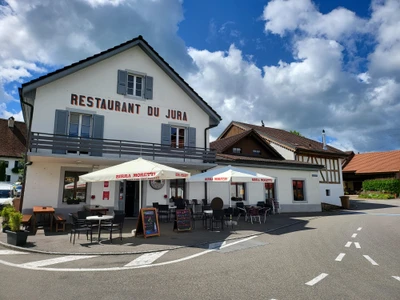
x=6, y=163
x=327, y=192
x=16, y=164
x=238, y=190
x=73, y=188
x=237, y=150
x=298, y=190
x=8, y=178
x=178, y=137
x=256, y=152
x=135, y=85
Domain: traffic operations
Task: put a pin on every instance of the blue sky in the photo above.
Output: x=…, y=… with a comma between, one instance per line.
x=295, y=64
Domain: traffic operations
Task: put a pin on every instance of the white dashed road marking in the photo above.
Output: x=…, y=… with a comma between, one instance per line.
x=371, y=260
x=8, y=252
x=396, y=277
x=359, y=228
x=348, y=244
x=317, y=279
x=146, y=259
x=53, y=261
x=354, y=235
x=357, y=245
x=340, y=257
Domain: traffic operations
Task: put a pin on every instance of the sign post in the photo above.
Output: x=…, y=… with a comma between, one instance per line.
x=147, y=223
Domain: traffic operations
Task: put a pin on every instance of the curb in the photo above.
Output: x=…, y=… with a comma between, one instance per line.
x=22, y=249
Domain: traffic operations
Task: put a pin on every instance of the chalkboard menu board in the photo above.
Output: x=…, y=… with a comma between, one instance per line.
x=147, y=224
x=183, y=221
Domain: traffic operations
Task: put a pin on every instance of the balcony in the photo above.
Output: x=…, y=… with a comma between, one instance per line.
x=50, y=144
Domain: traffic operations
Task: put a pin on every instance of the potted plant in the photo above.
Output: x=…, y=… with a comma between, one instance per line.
x=77, y=200
x=16, y=236
x=5, y=214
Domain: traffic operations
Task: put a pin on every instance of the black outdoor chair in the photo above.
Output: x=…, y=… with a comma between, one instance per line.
x=81, y=225
x=115, y=225
x=163, y=212
x=218, y=216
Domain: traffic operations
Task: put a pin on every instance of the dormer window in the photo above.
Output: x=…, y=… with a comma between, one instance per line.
x=256, y=152
x=236, y=150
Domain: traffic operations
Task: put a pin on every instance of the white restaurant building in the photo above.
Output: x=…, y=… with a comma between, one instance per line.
x=115, y=106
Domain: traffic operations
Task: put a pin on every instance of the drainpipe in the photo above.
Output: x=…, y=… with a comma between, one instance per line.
x=26, y=147
x=205, y=148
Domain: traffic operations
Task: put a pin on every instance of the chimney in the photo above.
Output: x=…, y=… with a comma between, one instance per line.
x=11, y=122
x=324, y=140
x=262, y=123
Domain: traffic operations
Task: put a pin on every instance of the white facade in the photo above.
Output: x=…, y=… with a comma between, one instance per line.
x=12, y=162
x=93, y=91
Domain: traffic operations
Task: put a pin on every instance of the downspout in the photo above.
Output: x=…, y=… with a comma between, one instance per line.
x=27, y=145
x=205, y=148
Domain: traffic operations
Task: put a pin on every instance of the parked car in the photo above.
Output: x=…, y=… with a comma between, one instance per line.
x=17, y=191
x=5, y=194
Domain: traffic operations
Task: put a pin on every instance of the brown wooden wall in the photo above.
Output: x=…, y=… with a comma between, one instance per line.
x=232, y=131
x=248, y=144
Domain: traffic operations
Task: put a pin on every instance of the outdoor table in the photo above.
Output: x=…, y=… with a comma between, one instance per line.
x=43, y=210
x=95, y=209
x=99, y=218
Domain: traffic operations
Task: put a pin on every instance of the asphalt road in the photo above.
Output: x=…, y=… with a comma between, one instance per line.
x=346, y=256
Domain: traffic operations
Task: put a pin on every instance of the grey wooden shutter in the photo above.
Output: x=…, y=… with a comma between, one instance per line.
x=192, y=137
x=97, y=133
x=148, y=92
x=166, y=134
x=122, y=82
x=60, y=128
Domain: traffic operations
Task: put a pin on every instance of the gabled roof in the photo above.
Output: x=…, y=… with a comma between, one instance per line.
x=374, y=162
x=223, y=144
x=287, y=139
x=12, y=140
x=215, y=118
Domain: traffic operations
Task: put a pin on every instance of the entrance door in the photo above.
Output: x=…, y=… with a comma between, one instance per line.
x=132, y=199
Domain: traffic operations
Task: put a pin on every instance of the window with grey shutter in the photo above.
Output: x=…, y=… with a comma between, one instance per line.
x=97, y=135
x=148, y=92
x=60, y=128
x=121, y=84
x=166, y=134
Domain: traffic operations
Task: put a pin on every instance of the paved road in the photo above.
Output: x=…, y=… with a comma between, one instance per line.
x=348, y=256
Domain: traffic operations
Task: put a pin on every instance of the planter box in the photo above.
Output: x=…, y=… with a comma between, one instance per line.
x=17, y=238
x=345, y=201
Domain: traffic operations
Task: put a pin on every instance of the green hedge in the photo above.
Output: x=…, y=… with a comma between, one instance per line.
x=382, y=185
x=376, y=195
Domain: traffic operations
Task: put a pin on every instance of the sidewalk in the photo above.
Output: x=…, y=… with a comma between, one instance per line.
x=50, y=242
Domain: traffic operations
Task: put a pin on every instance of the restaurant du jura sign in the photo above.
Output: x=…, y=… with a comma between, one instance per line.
x=128, y=107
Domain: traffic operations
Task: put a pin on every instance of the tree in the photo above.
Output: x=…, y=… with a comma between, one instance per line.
x=295, y=132
x=2, y=170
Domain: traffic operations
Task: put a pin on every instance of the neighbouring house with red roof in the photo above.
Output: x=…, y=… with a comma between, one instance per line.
x=373, y=165
x=306, y=172
x=13, y=138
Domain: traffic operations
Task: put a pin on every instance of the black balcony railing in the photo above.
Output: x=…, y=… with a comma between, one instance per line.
x=61, y=144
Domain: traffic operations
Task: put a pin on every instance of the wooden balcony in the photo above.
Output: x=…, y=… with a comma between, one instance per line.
x=44, y=143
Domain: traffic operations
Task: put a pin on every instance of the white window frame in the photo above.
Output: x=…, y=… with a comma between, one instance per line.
x=177, y=139
x=135, y=74
x=304, y=190
x=80, y=126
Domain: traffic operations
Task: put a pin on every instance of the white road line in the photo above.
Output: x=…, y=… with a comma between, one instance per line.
x=216, y=245
x=359, y=228
x=317, y=279
x=348, y=244
x=146, y=259
x=371, y=260
x=354, y=235
x=7, y=252
x=23, y=266
x=396, y=277
x=52, y=261
x=357, y=244
x=340, y=257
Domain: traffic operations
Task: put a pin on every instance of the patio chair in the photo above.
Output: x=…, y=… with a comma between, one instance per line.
x=254, y=214
x=217, y=203
x=163, y=212
x=218, y=216
x=81, y=225
x=115, y=225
